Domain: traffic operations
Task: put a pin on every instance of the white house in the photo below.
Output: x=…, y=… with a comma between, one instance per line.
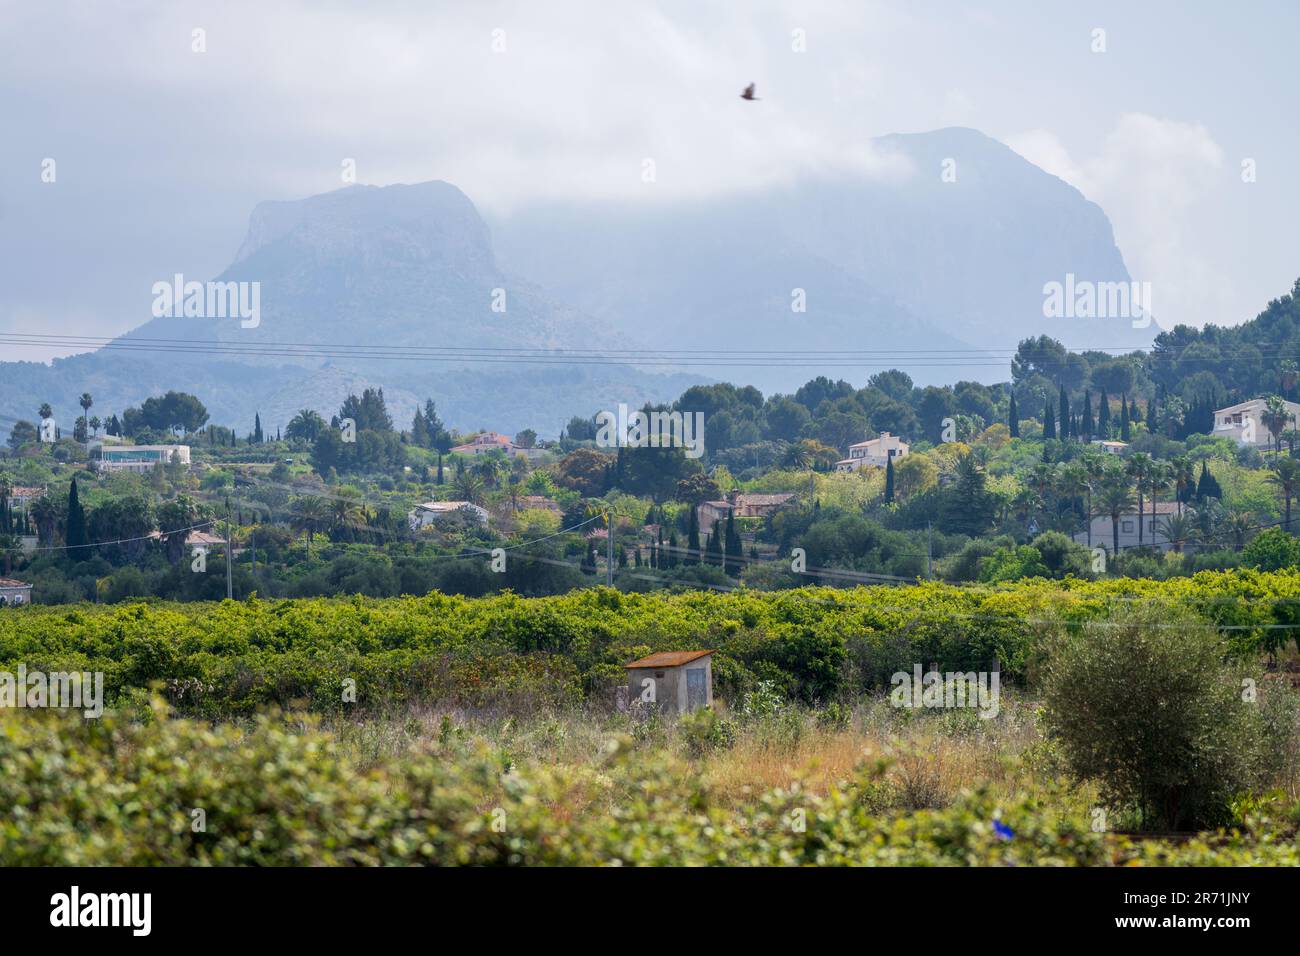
x=1111, y=447
x=141, y=458
x=493, y=441
x=874, y=453
x=1244, y=422
x=423, y=515
x=13, y=593
x=1153, y=529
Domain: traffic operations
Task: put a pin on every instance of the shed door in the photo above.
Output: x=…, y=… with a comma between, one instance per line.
x=696, y=696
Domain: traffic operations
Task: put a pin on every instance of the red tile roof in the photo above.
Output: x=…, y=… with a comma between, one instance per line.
x=668, y=659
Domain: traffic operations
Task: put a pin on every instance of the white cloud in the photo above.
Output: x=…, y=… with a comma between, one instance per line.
x=1153, y=177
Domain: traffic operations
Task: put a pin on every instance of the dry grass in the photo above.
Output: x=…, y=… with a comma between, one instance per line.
x=930, y=756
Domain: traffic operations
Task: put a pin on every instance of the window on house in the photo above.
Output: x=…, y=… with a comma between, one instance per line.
x=1126, y=527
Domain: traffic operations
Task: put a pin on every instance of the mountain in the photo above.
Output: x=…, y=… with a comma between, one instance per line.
x=358, y=286
x=909, y=262
x=341, y=276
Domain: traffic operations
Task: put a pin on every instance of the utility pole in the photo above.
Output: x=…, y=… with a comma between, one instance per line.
x=609, y=549
x=230, y=543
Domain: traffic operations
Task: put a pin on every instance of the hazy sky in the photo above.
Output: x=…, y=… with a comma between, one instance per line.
x=161, y=152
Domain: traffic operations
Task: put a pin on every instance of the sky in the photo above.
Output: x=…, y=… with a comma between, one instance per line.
x=163, y=138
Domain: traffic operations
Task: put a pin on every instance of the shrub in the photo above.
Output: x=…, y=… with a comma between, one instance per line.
x=1146, y=705
x=1272, y=550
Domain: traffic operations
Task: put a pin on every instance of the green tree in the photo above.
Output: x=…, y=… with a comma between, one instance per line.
x=86, y=401
x=734, y=548
x=311, y=516
x=75, y=534
x=713, y=551
x=1115, y=499
x=693, y=539
x=306, y=425
x=1286, y=478
x=1176, y=764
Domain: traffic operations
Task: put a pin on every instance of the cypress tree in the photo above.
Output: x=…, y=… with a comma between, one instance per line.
x=713, y=551
x=693, y=539
x=1103, y=416
x=1013, y=418
x=1049, y=420
x=889, y=480
x=1134, y=412
x=735, y=550
x=75, y=532
x=1207, y=486
x=1087, y=424
x=1153, y=415
x=1064, y=404
x=674, y=558
x=1124, y=431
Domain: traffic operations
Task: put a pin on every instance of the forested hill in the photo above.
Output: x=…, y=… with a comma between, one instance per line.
x=1253, y=358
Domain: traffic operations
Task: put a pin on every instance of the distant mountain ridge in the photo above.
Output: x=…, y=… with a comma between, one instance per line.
x=953, y=255
x=904, y=266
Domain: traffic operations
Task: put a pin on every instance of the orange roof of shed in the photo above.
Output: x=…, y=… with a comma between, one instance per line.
x=669, y=659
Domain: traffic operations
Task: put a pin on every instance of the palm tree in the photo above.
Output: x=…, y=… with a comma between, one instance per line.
x=802, y=456
x=490, y=468
x=346, y=509
x=1094, y=463
x=1286, y=476
x=306, y=425
x=45, y=514
x=1275, y=418
x=1139, y=469
x=1116, y=499
x=1183, y=476
x=1161, y=475
x=46, y=411
x=85, y=402
x=1072, y=484
x=1239, y=523
x=311, y=514
x=469, y=487
x=1177, y=531
x=94, y=424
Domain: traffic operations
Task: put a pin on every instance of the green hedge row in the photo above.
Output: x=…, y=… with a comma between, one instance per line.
x=817, y=644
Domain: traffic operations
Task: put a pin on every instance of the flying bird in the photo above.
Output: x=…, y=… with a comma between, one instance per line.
x=749, y=93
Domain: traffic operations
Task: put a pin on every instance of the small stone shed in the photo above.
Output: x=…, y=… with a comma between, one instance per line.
x=682, y=680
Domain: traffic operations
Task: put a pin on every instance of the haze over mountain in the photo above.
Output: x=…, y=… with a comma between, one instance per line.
x=908, y=262
x=905, y=262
